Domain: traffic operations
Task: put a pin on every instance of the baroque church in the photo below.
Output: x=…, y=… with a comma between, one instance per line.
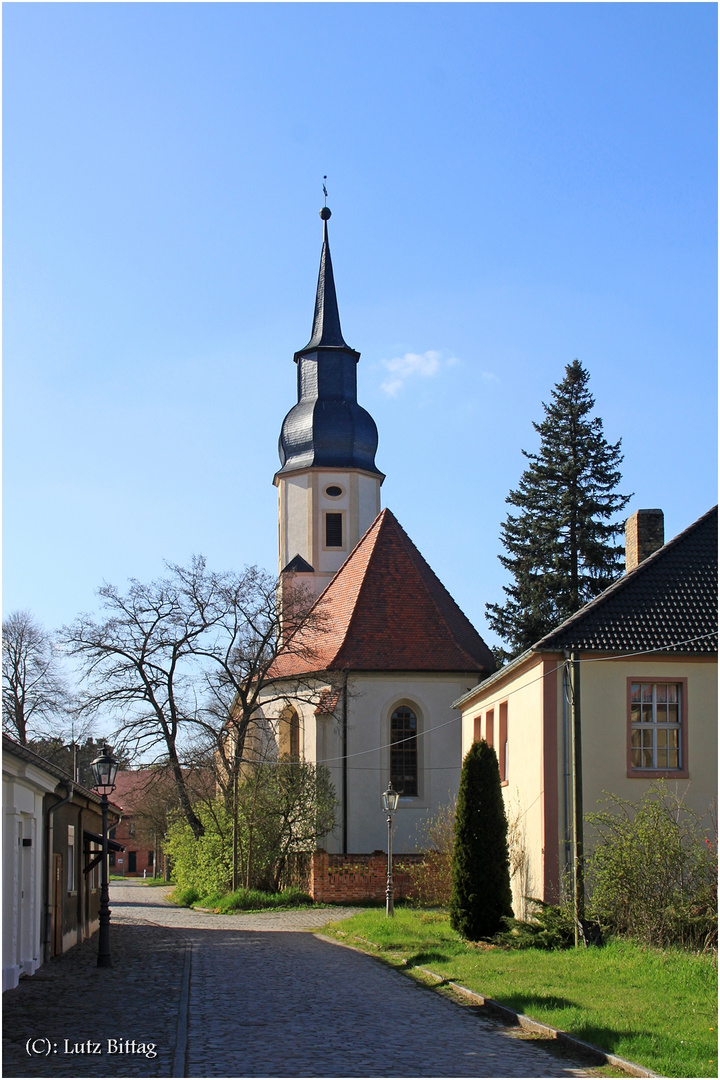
x=392, y=650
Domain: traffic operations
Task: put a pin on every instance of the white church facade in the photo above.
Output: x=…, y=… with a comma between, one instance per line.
x=394, y=650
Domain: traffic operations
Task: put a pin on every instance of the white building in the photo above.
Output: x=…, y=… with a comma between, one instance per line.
x=25, y=785
x=395, y=650
x=52, y=848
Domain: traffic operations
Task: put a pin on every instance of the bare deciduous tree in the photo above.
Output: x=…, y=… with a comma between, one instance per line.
x=184, y=662
x=35, y=697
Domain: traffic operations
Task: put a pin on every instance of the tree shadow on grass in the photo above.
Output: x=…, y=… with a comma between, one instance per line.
x=532, y=1004
x=422, y=959
x=614, y=1040
x=537, y=1007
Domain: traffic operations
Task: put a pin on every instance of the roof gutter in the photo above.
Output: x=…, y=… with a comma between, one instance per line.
x=492, y=679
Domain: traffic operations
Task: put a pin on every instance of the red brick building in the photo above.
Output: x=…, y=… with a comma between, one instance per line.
x=142, y=841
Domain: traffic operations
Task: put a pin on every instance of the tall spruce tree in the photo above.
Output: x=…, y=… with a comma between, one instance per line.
x=481, y=897
x=560, y=547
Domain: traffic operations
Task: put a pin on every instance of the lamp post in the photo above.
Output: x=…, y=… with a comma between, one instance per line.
x=104, y=769
x=390, y=799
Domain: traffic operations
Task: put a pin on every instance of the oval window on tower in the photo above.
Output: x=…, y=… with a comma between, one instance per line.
x=333, y=491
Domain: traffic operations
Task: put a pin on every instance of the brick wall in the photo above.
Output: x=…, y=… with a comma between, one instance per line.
x=135, y=845
x=644, y=534
x=353, y=878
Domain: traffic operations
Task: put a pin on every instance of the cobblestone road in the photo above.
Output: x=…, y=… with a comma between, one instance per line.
x=244, y=996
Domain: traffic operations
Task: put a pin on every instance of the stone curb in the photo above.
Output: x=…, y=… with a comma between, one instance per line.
x=528, y=1024
x=517, y=1019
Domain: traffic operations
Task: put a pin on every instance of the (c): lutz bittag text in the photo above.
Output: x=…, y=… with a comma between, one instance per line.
x=43, y=1047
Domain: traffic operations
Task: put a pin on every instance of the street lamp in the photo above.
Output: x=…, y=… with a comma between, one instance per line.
x=390, y=800
x=104, y=769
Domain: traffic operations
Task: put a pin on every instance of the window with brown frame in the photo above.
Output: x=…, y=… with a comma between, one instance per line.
x=657, y=728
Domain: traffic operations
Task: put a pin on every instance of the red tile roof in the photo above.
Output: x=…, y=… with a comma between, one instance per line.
x=130, y=785
x=133, y=786
x=386, y=610
x=328, y=701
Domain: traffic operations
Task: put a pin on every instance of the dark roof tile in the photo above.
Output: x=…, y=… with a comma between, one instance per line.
x=668, y=603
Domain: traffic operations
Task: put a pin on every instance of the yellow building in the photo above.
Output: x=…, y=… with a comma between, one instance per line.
x=646, y=652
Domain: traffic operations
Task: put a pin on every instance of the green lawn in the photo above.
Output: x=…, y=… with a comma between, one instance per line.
x=655, y=1008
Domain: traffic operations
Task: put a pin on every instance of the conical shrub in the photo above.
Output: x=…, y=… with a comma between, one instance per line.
x=481, y=897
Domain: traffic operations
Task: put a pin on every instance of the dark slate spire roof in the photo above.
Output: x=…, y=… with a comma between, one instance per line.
x=326, y=329
x=327, y=427
x=667, y=603
x=386, y=610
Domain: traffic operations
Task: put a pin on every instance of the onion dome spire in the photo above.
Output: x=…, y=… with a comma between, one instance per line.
x=327, y=427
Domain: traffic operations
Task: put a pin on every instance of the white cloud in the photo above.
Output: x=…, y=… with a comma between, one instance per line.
x=421, y=365
x=490, y=376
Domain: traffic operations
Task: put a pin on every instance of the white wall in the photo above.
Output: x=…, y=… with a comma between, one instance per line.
x=372, y=697
x=24, y=786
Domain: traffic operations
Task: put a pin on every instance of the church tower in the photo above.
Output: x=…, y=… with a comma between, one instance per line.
x=328, y=483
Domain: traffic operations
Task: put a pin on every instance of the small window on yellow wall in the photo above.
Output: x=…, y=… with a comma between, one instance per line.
x=490, y=727
x=503, y=742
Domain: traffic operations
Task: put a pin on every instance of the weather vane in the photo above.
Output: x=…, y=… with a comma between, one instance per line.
x=325, y=189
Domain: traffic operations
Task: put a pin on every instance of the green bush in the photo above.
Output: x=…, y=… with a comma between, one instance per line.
x=282, y=809
x=550, y=926
x=481, y=896
x=241, y=899
x=653, y=871
x=184, y=897
x=255, y=900
x=432, y=878
x=203, y=864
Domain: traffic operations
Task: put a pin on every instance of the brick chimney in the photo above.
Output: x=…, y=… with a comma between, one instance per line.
x=644, y=533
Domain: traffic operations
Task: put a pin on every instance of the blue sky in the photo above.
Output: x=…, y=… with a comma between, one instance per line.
x=512, y=186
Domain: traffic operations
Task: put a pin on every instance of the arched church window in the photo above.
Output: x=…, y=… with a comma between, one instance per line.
x=403, y=751
x=289, y=735
x=295, y=736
